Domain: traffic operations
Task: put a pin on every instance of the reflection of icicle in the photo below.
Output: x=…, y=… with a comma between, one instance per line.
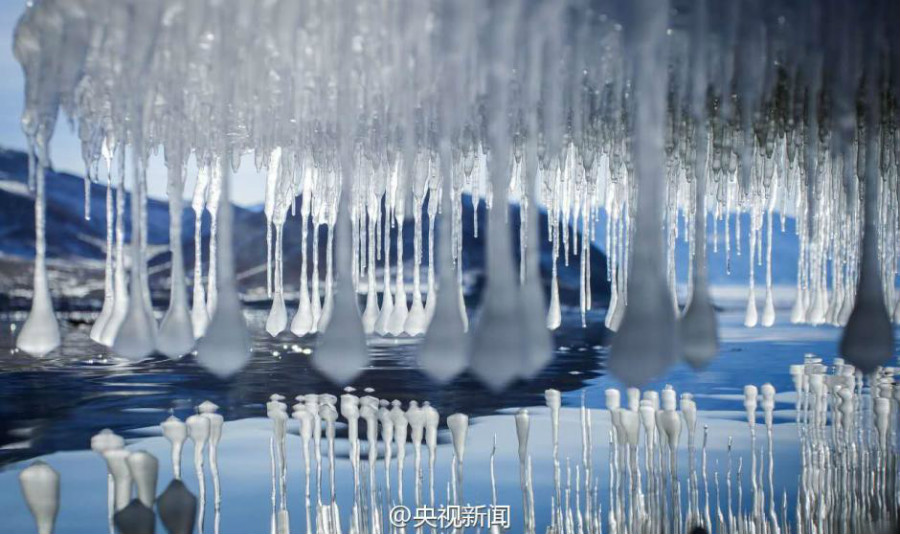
x=216, y=422
x=522, y=426
x=432, y=418
x=277, y=412
x=401, y=426
x=175, y=431
x=199, y=432
x=104, y=441
x=459, y=428
x=369, y=412
x=306, y=421
x=387, y=439
x=328, y=414
x=40, y=487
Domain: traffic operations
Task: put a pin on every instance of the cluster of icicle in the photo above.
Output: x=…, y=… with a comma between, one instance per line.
x=204, y=429
x=132, y=503
x=417, y=423
x=628, y=111
x=848, y=482
x=846, y=424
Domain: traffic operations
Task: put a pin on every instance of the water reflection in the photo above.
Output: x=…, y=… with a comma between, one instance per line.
x=822, y=463
x=91, y=390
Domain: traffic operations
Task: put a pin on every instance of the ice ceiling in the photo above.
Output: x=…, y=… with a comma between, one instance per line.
x=364, y=112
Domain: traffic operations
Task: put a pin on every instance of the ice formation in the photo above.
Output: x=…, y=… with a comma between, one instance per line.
x=659, y=476
x=630, y=113
x=40, y=486
x=650, y=434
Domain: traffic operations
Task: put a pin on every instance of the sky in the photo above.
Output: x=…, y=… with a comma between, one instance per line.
x=247, y=186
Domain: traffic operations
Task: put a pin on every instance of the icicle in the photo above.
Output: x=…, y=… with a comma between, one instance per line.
x=868, y=339
x=539, y=345
x=302, y=323
x=328, y=300
x=276, y=321
x=269, y=210
x=342, y=354
x=387, y=299
x=768, y=316
x=370, y=314
x=225, y=349
x=315, y=300
x=120, y=286
x=698, y=325
x=87, y=193
x=444, y=352
x=108, y=288
x=635, y=357
x=400, y=312
x=554, y=318
x=213, y=193
x=40, y=333
x=282, y=197
x=416, y=321
x=176, y=333
x=751, y=317
x=137, y=335
x=199, y=315
x=432, y=212
x=498, y=344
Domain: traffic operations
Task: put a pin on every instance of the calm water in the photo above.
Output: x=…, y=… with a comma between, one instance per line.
x=50, y=408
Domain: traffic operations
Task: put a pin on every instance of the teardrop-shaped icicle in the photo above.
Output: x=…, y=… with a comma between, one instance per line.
x=341, y=354
x=225, y=349
x=444, y=352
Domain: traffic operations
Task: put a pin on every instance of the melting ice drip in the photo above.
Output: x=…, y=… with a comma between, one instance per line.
x=642, y=116
x=846, y=425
